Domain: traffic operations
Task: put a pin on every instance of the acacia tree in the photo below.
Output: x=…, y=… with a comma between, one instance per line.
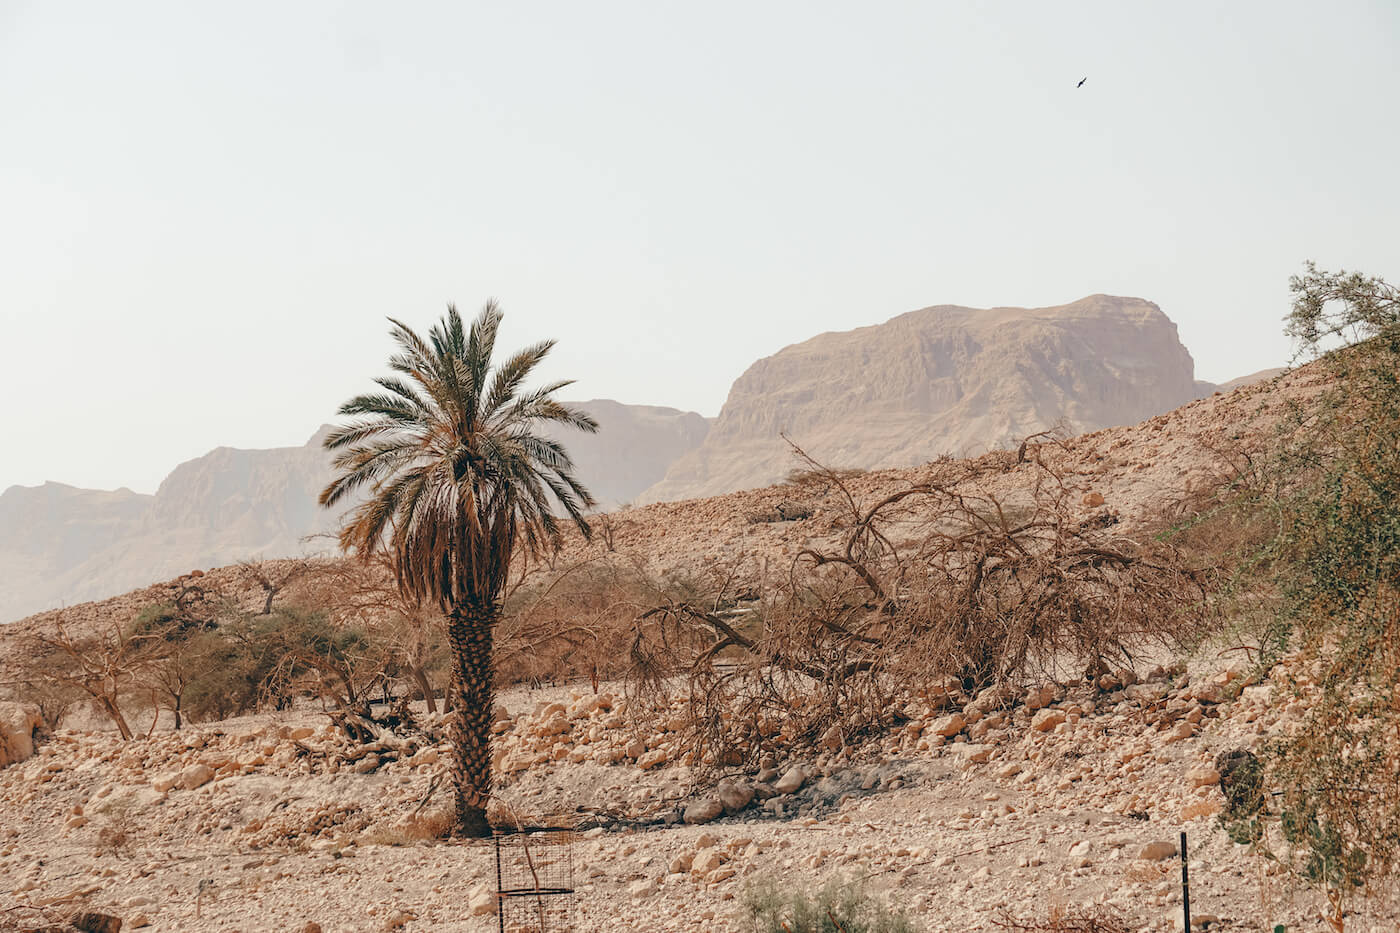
x=459, y=485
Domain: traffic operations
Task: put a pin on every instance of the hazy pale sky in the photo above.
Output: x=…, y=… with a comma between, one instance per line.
x=206, y=210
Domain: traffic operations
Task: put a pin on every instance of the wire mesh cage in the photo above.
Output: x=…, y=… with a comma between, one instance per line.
x=534, y=879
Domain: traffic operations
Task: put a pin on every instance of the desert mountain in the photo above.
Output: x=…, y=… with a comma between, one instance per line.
x=942, y=380
x=63, y=545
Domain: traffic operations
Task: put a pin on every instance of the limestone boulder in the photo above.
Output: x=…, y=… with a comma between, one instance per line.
x=18, y=721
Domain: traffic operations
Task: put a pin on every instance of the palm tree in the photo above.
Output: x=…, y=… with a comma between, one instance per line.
x=459, y=484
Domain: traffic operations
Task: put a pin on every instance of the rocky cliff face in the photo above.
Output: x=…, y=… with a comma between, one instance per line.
x=61, y=545
x=943, y=380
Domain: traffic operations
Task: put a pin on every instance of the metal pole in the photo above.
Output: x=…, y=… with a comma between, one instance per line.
x=1185, y=888
x=500, y=901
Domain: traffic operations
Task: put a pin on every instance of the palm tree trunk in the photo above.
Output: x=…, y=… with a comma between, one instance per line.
x=469, y=632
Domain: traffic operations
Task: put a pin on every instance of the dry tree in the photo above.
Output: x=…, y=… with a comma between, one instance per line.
x=941, y=586
x=106, y=666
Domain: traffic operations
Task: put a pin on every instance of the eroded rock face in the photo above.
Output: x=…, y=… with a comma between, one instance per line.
x=943, y=380
x=17, y=724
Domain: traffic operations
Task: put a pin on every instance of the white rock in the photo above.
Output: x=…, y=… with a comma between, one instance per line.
x=791, y=781
x=195, y=776
x=481, y=902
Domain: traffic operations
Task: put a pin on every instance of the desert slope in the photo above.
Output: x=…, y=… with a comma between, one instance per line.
x=942, y=380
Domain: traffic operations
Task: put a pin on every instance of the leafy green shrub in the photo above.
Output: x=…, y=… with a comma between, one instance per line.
x=838, y=907
x=208, y=670
x=1333, y=566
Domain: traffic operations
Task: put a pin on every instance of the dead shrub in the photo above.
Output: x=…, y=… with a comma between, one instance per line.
x=575, y=622
x=938, y=589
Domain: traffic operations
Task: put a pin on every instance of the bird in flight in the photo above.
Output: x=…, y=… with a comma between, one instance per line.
x=1081, y=81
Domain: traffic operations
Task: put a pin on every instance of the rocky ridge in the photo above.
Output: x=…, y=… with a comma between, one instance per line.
x=944, y=380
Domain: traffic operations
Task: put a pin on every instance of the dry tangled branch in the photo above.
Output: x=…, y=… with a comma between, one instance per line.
x=942, y=586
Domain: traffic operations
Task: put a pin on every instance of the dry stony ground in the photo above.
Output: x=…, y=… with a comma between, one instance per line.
x=271, y=823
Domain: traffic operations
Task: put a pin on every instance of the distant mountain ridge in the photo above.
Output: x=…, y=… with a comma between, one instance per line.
x=941, y=380
x=62, y=545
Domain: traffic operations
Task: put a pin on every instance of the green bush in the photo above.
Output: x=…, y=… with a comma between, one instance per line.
x=838, y=907
x=1332, y=566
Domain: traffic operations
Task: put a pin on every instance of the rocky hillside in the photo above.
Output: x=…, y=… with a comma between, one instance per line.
x=62, y=545
x=943, y=380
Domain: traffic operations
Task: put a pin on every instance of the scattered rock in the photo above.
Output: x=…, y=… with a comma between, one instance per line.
x=1047, y=719
x=1183, y=730
x=1202, y=777
x=195, y=776
x=481, y=902
x=1199, y=809
x=735, y=797
x=703, y=810
x=706, y=861
x=1038, y=698
x=17, y=724
x=791, y=781
x=1157, y=851
x=949, y=726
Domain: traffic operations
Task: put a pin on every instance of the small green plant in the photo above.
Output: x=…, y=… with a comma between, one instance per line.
x=839, y=906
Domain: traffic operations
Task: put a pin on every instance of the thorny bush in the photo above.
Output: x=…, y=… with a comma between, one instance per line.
x=937, y=590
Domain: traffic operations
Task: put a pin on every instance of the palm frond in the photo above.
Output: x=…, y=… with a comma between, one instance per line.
x=459, y=483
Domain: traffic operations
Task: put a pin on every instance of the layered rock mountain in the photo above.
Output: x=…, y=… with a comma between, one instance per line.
x=941, y=380
x=62, y=545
